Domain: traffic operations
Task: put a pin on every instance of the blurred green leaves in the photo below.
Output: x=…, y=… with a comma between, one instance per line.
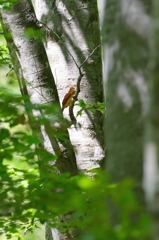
x=4, y=57
x=27, y=197
x=91, y=106
x=33, y=33
x=7, y=4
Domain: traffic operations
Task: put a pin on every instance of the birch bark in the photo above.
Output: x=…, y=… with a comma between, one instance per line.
x=72, y=46
x=76, y=24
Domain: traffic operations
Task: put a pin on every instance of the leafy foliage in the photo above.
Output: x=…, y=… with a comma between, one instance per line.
x=6, y=5
x=4, y=57
x=28, y=197
x=93, y=107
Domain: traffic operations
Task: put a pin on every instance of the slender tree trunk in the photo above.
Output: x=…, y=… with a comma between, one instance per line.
x=33, y=71
x=36, y=80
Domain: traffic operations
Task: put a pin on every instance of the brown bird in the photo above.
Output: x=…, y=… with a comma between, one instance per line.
x=67, y=98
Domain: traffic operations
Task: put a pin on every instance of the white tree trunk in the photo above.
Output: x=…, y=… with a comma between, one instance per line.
x=35, y=76
x=70, y=20
x=67, y=47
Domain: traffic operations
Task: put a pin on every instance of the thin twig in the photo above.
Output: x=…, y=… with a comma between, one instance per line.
x=68, y=50
x=89, y=55
x=62, y=43
x=75, y=98
x=81, y=74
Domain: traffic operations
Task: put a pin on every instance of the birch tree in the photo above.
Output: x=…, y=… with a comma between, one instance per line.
x=55, y=45
x=63, y=51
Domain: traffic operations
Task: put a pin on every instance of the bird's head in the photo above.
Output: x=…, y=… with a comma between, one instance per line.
x=72, y=90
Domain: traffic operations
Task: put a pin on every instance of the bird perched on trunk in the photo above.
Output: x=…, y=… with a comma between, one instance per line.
x=67, y=98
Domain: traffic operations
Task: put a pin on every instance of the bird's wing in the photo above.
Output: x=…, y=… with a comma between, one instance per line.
x=66, y=98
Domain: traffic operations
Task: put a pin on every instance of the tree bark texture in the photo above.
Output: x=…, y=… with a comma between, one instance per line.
x=36, y=80
x=72, y=34
x=35, y=76
x=72, y=45
x=126, y=35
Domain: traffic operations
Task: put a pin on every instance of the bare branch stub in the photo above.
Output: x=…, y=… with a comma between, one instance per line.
x=81, y=74
x=75, y=98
